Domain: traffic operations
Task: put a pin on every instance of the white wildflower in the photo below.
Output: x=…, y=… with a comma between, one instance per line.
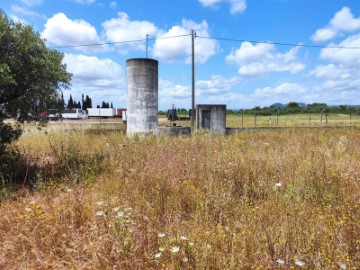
x=69, y=190
x=185, y=259
x=183, y=238
x=343, y=266
x=27, y=209
x=116, y=209
x=175, y=249
x=157, y=255
x=299, y=263
x=278, y=185
x=120, y=214
x=280, y=261
x=100, y=213
x=100, y=203
x=161, y=235
x=191, y=244
x=161, y=249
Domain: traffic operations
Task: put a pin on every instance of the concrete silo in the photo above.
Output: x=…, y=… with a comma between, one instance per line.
x=142, y=94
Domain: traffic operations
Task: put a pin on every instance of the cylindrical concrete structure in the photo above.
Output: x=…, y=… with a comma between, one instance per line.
x=142, y=95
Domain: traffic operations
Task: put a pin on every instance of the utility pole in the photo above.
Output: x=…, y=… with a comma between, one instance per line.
x=147, y=38
x=193, y=35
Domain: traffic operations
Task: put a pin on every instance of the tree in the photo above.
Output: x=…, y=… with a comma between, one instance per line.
x=31, y=79
x=70, y=104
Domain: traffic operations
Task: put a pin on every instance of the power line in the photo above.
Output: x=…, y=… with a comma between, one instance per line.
x=280, y=43
x=213, y=38
x=116, y=42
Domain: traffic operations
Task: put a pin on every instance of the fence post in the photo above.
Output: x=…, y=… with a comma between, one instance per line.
x=350, y=119
x=326, y=119
x=242, y=118
x=320, y=119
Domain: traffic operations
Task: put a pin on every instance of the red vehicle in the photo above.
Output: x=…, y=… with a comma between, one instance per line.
x=120, y=112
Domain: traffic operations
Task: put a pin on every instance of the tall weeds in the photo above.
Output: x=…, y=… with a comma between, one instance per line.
x=255, y=200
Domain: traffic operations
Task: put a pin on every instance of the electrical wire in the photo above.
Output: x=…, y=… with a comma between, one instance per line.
x=212, y=38
x=279, y=43
x=116, y=42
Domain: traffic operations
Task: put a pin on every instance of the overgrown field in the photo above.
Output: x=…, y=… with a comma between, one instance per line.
x=256, y=200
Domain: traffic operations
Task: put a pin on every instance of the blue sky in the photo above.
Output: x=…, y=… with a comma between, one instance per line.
x=239, y=59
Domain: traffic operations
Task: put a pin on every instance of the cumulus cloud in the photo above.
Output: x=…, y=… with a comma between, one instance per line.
x=179, y=49
x=284, y=93
x=347, y=57
x=217, y=85
x=337, y=84
x=171, y=93
x=330, y=72
x=62, y=31
x=216, y=90
x=284, y=89
x=263, y=58
x=343, y=21
x=168, y=89
x=102, y=79
x=236, y=6
x=123, y=29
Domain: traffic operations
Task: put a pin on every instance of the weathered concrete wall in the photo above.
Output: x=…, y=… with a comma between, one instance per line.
x=174, y=131
x=142, y=87
x=212, y=117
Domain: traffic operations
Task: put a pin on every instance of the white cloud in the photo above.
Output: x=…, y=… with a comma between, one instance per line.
x=62, y=31
x=17, y=19
x=101, y=79
x=283, y=90
x=169, y=89
x=123, y=29
x=217, y=85
x=347, y=57
x=337, y=84
x=236, y=6
x=173, y=94
x=343, y=21
x=179, y=49
x=87, y=2
x=216, y=90
x=330, y=72
x=263, y=58
x=30, y=3
x=23, y=11
x=209, y=3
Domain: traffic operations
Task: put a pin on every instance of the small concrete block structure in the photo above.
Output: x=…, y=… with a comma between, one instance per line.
x=211, y=117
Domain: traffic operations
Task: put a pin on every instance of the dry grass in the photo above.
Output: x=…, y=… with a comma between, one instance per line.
x=293, y=120
x=255, y=200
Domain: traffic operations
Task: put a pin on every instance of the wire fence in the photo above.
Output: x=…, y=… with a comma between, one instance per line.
x=295, y=120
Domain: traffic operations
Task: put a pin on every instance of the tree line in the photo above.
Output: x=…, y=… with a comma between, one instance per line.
x=86, y=103
x=296, y=108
